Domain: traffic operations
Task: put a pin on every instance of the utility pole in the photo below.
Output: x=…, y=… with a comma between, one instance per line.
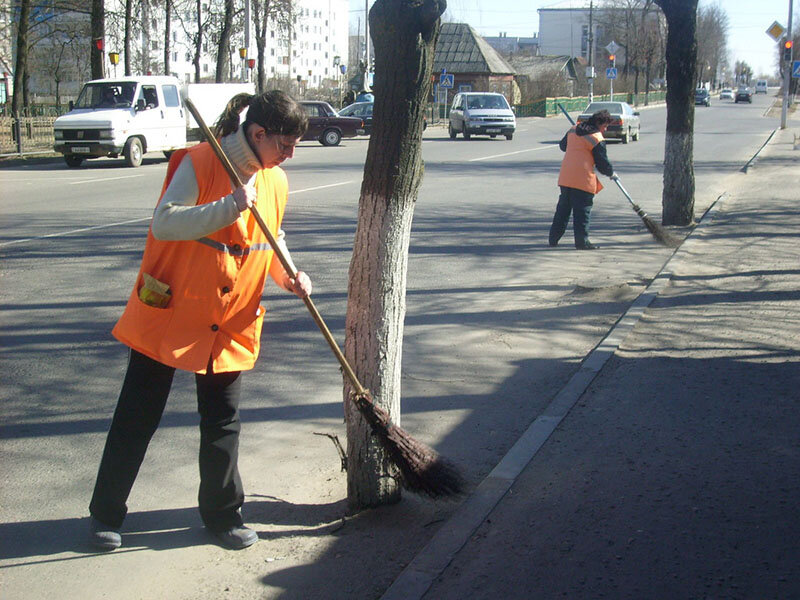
x=246, y=37
x=787, y=76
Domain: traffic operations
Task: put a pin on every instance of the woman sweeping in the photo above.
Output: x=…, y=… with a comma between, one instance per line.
x=196, y=306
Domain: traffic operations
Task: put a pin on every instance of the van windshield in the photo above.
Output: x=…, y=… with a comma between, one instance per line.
x=487, y=101
x=112, y=94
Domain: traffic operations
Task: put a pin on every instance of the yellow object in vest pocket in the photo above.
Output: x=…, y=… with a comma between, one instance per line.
x=154, y=292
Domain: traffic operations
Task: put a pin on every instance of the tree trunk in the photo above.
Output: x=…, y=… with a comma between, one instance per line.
x=198, y=46
x=167, y=33
x=678, y=196
x=260, y=12
x=127, y=42
x=21, y=65
x=224, y=41
x=404, y=34
x=145, y=66
x=98, y=33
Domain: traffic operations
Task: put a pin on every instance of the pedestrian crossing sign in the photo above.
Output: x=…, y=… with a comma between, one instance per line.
x=796, y=68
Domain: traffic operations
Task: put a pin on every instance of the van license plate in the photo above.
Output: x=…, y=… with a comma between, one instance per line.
x=492, y=131
x=79, y=149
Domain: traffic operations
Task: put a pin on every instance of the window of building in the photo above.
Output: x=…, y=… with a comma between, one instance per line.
x=205, y=68
x=175, y=56
x=272, y=51
x=154, y=45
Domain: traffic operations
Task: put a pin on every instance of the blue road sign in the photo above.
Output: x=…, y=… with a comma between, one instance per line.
x=611, y=73
x=446, y=80
x=796, y=68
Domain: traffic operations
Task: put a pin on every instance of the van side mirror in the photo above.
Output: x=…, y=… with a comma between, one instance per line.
x=71, y=104
x=636, y=112
x=140, y=105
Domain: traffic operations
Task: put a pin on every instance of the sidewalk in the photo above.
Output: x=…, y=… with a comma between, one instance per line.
x=668, y=466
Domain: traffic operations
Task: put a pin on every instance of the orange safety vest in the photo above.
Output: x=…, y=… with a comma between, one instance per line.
x=216, y=281
x=577, y=168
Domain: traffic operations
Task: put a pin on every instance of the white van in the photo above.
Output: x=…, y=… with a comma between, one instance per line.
x=761, y=86
x=481, y=113
x=129, y=116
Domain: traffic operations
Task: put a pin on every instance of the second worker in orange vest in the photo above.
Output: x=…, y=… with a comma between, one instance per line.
x=585, y=150
x=196, y=306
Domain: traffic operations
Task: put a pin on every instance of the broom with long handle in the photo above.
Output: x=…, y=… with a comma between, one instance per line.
x=422, y=470
x=661, y=235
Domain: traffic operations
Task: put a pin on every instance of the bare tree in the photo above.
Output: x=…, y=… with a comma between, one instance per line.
x=98, y=24
x=20, y=97
x=127, y=42
x=223, y=45
x=280, y=12
x=677, y=198
x=167, y=33
x=404, y=33
x=712, y=43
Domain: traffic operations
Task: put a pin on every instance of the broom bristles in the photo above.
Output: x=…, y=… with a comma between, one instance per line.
x=421, y=468
x=661, y=235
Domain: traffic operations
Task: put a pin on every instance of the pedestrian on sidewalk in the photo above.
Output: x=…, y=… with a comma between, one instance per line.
x=196, y=306
x=585, y=150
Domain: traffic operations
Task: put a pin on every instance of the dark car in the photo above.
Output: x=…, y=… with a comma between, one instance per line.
x=744, y=94
x=326, y=126
x=625, y=124
x=702, y=97
x=363, y=110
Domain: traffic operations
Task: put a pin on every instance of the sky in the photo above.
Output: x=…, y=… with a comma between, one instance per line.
x=748, y=22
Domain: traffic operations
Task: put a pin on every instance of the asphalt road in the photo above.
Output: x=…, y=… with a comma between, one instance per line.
x=497, y=322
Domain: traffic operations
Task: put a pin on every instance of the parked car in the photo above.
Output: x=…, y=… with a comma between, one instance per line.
x=481, y=113
x=702, y=97
x=363, y=110
x=761, y=86
x=326, y=126
x=726, y=94
x=625, y=125
x=744, y=94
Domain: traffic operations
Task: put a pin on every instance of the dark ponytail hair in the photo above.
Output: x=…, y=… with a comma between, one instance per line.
x=601, y=117
x=275, y=111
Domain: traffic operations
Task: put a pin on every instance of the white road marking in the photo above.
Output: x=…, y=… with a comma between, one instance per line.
x=549, y=147
x=105, y=179
x=72, y=231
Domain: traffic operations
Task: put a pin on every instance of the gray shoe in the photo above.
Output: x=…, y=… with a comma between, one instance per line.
x=236, y=537
x=103, y=536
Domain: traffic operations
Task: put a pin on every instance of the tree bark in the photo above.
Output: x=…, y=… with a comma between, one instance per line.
x=19, y=97
x=224, y=41
x=127, y=41
x=198, y=46
x=167, y=33
x=98, y=33
x=404, y=34
x=677, y=198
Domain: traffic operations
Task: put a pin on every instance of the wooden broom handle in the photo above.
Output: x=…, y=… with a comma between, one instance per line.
x=278, y=252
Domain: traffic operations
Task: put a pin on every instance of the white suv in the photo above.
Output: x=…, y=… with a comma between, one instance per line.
x=481, y=113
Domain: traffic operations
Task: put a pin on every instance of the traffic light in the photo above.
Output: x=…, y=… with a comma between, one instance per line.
x=611, y=59
x=787, y=50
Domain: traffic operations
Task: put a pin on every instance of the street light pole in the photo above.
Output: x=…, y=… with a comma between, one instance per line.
x=787, y=76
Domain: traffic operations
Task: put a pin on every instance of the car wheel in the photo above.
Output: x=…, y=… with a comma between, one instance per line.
x=452, y=132
x=73, y=160
x=465, y=133
x=330, y=137
x=509, y=136
x=637, y=134
x=133, y=152
x=626, y=136
x=168, y=153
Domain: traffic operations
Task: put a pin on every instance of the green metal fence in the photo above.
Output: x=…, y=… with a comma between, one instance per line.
x=547, y=107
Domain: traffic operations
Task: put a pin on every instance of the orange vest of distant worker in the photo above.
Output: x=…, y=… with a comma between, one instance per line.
x=215, y=311
x=577, y=168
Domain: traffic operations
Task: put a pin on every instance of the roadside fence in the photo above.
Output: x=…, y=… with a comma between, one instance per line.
x=31, y=132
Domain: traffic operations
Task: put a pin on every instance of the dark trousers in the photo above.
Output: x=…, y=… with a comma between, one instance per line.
x=139, y=409
x=579, y=204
